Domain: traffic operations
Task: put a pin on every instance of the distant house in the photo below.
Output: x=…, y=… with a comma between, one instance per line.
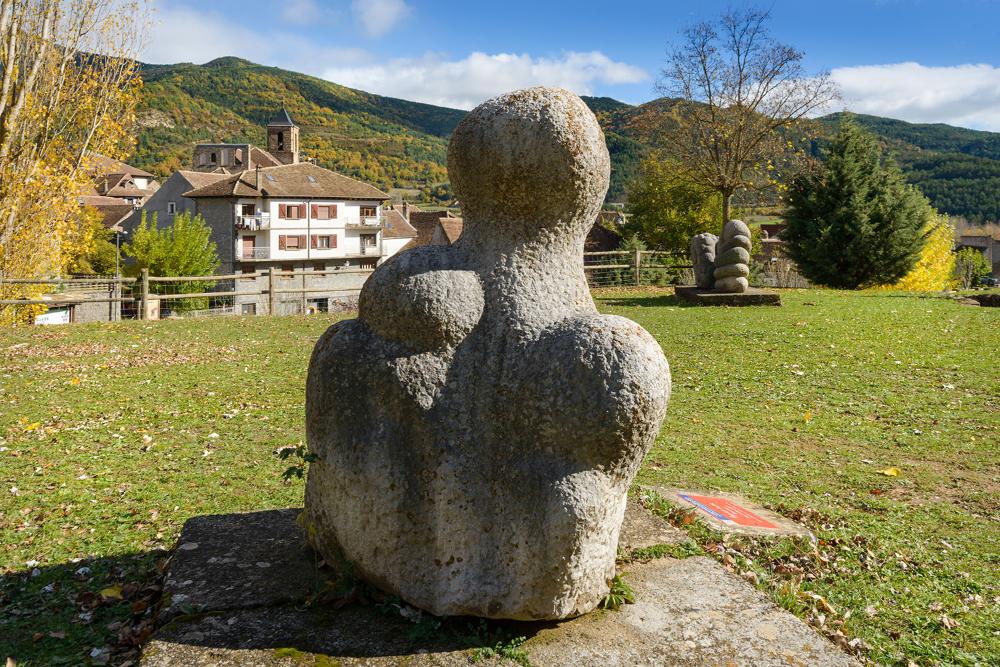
x=986, y=243
x=118, y=180
x=169, y=200
x=113, y=211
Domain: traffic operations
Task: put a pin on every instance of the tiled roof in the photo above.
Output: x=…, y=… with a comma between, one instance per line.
x=395, y=226
x=102, y=164
x=260, y=157
x=199, y=179
x=452, y=228
x=112, y=214
x=290, y=180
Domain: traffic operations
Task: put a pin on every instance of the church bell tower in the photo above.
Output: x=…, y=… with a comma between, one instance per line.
x=283, y=138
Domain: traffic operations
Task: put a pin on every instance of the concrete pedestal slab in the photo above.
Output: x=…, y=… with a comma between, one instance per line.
x=707, y=297
x=225, y=608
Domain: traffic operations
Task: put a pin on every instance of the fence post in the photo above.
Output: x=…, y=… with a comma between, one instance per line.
x=272, y=292
x=637, y=261
x=144, y=294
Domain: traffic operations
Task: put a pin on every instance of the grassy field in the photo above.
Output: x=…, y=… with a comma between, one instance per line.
x=112, y=435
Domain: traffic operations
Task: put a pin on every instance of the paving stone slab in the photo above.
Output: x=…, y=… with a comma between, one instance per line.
x=642, y=529
x=707, y=297
x=687, y=612
x=731, y=513
x=235, y=561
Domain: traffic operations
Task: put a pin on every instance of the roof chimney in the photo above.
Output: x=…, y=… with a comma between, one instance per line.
x=257, y=178
x=406, y=211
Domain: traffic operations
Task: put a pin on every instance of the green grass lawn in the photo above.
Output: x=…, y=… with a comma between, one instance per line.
x=111, y=436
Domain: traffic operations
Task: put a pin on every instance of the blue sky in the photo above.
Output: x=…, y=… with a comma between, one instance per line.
x=919, y=60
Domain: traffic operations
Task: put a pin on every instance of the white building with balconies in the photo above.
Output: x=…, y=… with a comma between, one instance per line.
x=299, y=217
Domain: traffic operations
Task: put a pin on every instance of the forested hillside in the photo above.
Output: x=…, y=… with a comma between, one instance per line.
x=396, y=143
x=379, y=139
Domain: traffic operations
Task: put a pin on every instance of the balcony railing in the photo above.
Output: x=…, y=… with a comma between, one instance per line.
x=370, y=250
x=253, y=222
x=256, y=252
x=374, y=222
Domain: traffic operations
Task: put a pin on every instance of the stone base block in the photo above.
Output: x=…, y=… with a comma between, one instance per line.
x=244, y=581
x=707, y=297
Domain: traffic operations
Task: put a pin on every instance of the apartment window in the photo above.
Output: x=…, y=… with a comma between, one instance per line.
x=281, y=141
x=368, y=211
x=292, y=242
x=171, y=207
x=324, y=211
x=368, y=240
x=248, y=210
x=292, y=211
x=324, y=242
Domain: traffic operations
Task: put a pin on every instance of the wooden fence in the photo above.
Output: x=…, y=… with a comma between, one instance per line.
x=141, y=297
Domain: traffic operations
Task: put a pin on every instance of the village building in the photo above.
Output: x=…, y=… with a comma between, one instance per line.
x=169, y=201
x=118, y=180
x=282, y=148
x=303, y=218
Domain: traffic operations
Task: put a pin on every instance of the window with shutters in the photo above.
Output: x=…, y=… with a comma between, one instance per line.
x=323, y=242
x=291, y=242
x=292, y=211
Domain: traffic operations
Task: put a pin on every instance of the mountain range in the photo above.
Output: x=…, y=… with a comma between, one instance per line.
x=400, y=144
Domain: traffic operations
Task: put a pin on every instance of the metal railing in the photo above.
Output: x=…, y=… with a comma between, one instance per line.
x=253, y=222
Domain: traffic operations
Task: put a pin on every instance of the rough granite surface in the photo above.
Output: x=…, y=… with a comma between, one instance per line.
x=703, y=259
x=732, y=258
x=478, y=425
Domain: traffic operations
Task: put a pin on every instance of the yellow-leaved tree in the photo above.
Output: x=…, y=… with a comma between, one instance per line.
x=934, y=271
x=69, y=83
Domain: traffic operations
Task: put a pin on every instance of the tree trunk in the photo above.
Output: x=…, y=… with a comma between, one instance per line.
x=726, y=202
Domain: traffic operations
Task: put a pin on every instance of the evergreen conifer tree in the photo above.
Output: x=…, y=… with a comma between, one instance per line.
x=853, y=221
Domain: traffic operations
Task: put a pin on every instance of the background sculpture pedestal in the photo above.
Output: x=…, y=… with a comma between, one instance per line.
x=708, y=297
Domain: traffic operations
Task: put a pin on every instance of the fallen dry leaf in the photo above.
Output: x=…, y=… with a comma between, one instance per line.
x=890, y=472
x=112, y=593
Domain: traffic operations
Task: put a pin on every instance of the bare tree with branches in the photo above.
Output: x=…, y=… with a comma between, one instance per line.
x=741, y=90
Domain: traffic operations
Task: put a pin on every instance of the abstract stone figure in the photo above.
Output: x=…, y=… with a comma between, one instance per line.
x=703, y=259
x=478, y=425
x=732, y=258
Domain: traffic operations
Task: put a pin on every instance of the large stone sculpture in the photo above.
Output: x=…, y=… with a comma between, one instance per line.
x=478, y=425
x=722, y=263
x=732, y=258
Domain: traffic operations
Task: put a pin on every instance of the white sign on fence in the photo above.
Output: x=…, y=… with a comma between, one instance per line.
x=53, y=316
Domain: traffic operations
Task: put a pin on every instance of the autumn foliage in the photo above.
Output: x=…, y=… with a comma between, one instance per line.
x=68, y=92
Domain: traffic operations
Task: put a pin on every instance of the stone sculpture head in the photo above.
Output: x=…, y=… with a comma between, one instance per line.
x=477, y=427
x=534, y=158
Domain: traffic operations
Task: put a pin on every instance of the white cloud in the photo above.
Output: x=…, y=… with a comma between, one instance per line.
x=186, y=35
x=467, y=82
x=379, y=16
x=963, y=95
x=300, y=12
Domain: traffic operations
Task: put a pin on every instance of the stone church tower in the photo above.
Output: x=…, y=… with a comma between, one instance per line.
x=283, y=138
